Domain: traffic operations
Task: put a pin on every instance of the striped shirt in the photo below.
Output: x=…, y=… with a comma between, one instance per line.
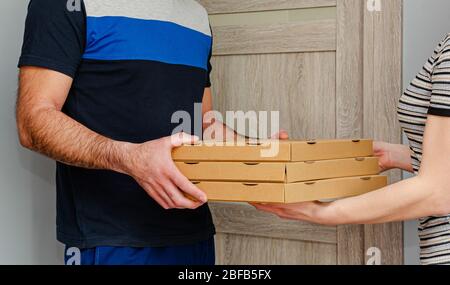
x=429, y=94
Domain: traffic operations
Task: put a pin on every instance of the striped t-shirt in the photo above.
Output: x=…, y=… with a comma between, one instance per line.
x=429, y=94
x=134, y=65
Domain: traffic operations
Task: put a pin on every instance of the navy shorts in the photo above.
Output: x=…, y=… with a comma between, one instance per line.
x=202, y=253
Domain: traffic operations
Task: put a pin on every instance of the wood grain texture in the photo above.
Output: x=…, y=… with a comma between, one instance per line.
x=275, y=38
x=243, y=219
x=349, y=68
x=382, y=89
x=236, y=6
x=350, y=245
x=301, y=86
x=248, y=250
x=349, y=106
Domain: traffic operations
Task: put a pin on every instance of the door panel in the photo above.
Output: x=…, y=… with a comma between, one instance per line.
x=234, y=6
x=249, y=250
x=382, y=89
x=302, y=85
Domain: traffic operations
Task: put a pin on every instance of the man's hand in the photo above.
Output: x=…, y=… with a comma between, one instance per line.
x=151, y=165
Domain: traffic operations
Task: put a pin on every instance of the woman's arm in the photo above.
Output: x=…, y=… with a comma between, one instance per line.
x=425, y=195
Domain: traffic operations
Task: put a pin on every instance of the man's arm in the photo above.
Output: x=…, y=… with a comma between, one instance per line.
x=44, y=128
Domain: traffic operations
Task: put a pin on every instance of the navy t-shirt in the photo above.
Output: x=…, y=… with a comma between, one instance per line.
x=133, y=64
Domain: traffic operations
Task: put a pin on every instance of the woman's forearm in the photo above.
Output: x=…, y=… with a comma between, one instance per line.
x=406, y=200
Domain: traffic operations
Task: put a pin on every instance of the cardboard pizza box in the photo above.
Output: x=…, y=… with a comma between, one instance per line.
x=291, y=192
x=274, y=151
x=288, y=172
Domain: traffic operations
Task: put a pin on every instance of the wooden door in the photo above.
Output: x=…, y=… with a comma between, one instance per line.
x=333, y=70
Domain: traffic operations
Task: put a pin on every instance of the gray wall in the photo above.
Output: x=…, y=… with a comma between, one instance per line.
x=426, y=22
x=27, y=192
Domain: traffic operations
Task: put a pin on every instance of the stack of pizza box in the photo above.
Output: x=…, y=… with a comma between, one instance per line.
x=281, y=171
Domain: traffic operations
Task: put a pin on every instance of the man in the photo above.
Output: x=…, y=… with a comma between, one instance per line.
x=99, y=82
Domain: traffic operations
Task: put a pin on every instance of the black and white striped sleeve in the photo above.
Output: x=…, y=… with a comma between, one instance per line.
x=440, y=97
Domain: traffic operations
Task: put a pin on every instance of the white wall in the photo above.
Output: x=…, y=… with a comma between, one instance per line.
x=426, y=22
x=27, y=191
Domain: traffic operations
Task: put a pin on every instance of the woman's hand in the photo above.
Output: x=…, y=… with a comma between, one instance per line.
x=393, y=156
x=383, y=151
x=313, y=212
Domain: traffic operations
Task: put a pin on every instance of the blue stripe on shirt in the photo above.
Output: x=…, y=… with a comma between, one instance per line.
x=122, y=38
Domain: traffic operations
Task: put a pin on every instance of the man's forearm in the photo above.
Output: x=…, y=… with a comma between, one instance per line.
x=54, y=134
